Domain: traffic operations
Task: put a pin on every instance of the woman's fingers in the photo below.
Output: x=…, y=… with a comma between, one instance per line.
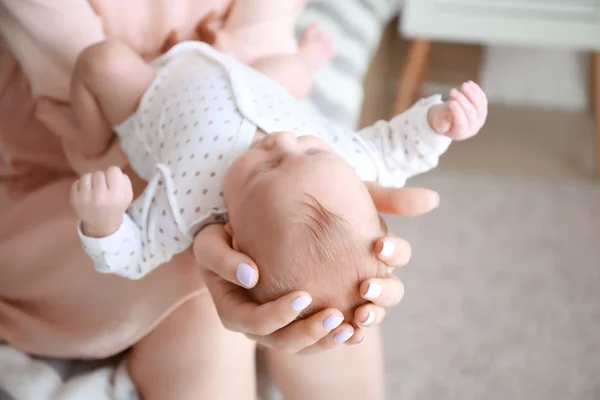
x=303, y=334
x=338, y=336
x=369, y=315
x=358, y=337
x=212, y=250
x=239, y=313
x=267, y=318
x=403, y=202
x=386, y=292
x=393, y=251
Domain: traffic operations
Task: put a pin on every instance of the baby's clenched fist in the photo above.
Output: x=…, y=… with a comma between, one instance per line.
x=463, y=115
x=100, y=199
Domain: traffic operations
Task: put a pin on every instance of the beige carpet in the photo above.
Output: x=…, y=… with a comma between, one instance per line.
x=503, y=294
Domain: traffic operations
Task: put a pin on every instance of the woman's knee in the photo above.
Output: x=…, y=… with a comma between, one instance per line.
x=346, y=372
x=201, y=356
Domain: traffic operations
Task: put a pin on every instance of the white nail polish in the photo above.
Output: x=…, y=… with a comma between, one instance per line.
x=245, y=274
x=387, y=249
x=300, y=303
x=332, y=322
x=342, y=336
x=370, y=319
x=373, y=292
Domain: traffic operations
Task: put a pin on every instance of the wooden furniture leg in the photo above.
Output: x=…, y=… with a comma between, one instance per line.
x=595, y=102
x=412, y=76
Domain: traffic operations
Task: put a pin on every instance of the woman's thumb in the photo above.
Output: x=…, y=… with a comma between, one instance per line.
x=212, y=250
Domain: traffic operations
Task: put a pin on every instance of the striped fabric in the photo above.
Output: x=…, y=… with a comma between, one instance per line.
x=357, y=27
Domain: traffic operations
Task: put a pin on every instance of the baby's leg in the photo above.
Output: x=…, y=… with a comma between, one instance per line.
x=256, y=29
x=295, y=72
x=190, y=355
x=346, y=372
x=252, y=12
x=108, y=81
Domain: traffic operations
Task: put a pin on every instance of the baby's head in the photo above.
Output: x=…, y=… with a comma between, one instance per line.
x=304, y=216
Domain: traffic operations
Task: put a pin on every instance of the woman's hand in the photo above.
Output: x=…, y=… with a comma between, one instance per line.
x=227, y=273
x=394, y=252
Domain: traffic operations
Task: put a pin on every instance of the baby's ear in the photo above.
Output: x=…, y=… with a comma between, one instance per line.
x=229, y=231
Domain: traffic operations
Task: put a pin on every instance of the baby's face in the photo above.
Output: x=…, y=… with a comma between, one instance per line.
x=267, y=187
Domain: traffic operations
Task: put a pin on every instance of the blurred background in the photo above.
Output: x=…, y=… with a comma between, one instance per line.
x=503, y=293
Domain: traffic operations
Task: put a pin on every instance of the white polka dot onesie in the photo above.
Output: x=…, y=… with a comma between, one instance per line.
x=199, y=114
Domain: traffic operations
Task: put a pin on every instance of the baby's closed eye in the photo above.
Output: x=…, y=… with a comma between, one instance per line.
x=269, y=164
x=314, y=150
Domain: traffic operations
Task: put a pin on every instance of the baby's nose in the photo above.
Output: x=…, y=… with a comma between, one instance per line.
x=284, y=141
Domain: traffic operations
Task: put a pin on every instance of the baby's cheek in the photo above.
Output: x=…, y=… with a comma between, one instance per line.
x=237, y=174
x=232, y=182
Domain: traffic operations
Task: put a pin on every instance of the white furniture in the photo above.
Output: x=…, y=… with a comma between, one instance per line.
x=570, y=24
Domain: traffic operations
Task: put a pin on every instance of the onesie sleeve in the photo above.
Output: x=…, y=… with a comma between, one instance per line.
x=119, y=253
x=149, y=235
x=404, y=146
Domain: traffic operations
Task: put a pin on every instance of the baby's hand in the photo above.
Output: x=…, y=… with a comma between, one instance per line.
x=100, y=199
x=463, y=115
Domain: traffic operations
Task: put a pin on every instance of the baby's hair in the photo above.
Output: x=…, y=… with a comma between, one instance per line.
x=324, y=254
x=327, y=230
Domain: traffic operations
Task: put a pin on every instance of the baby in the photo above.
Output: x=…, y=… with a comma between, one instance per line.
x=220, y=142
x=261, y=33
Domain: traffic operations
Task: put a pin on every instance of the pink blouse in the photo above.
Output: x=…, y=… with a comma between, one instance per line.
x=52, y=302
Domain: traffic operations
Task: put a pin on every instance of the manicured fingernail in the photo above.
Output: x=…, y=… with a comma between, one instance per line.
x=437, y=202
x=244, y=274
x=373, y=292
x=332, y=322
x=370, y=319
x=387, y=249
x=362, y=340
x=300, y=303
x=342, y=336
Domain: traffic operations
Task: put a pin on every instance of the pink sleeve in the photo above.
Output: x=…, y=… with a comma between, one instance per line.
x=46, y=36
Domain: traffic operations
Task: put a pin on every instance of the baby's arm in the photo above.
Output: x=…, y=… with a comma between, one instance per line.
x=412, y=142
x=114, y=241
